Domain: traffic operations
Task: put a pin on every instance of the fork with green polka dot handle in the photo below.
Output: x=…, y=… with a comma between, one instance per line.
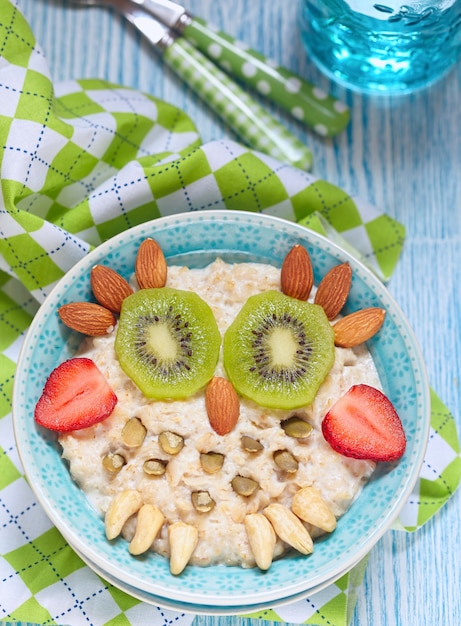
x=307, y=103
x=251, y=122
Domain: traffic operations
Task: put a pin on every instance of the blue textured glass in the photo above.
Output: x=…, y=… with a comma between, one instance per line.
x=383, y=47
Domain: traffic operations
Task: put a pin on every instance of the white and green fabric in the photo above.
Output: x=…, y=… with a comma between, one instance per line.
x=80, y=162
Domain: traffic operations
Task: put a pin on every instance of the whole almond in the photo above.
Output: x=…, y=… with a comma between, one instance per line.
x=333, y=290
x=109, y=288
x=87, y=318
x=150, y=268
x=358, y=327
x=222, y=405
x=297, y=276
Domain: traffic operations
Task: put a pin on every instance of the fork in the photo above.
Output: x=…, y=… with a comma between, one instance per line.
x=307, y=103
x=251, y=122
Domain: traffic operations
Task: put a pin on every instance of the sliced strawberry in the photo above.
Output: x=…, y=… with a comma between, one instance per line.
x=76, y=395
x=363, y=424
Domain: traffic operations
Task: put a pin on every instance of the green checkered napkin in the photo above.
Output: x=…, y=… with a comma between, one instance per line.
x=80, y=162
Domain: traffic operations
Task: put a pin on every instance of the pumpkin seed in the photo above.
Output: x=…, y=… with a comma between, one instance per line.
x=244, y=486
x=155, y=467
x=251, y=445
x=211, y=462
x=171, y=443
x=285, y=461
x=113, y=462
x=296, y=427
x=133, y=433
x=202, y=501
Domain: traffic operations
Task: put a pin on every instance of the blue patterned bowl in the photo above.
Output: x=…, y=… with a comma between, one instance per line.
x=195, y=239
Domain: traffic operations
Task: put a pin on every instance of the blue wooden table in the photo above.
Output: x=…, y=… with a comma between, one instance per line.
x=401, y=154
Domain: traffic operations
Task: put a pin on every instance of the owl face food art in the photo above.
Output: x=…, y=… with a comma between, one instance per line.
x=235, y=415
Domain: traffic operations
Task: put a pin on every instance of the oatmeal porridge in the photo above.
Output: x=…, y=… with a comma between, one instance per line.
x=251, y=450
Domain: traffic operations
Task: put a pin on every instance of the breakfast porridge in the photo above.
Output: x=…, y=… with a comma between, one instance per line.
x=167, y=451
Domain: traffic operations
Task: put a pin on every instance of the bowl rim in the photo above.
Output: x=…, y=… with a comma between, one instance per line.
x=304, y=235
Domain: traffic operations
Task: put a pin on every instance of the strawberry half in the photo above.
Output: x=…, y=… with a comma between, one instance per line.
x=76, y=395
x=363, y=424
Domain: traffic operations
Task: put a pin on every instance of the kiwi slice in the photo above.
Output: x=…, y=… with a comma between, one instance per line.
x=167, y=342
x=278, y=350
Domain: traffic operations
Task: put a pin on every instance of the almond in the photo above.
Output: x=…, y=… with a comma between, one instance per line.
x=150, y=268
x=358, y=327
x=87, y=318
x=297, y=276
x=333, y=290
x=109, y=288
x=222, y=405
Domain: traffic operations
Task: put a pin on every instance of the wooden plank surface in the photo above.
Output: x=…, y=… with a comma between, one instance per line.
x=404, y=156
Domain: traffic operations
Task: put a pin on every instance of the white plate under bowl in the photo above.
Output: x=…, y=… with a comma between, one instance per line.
x=203, y=609
x=195, y=239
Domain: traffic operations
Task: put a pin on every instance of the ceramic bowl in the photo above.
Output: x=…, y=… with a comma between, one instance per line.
x=195, y=239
